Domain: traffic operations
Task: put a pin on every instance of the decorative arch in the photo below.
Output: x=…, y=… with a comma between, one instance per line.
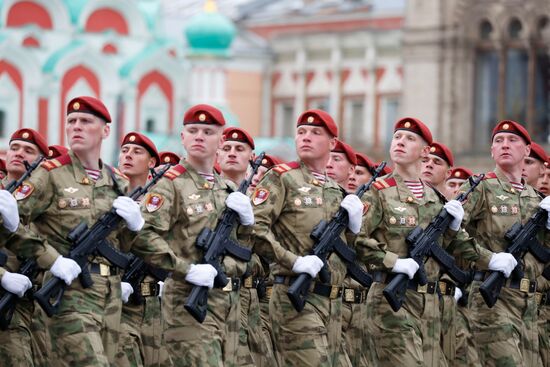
x=104, y=19
x=17, y=78
x=25, y=13
x=109, y=49
x=159, y=79
x=31, y=41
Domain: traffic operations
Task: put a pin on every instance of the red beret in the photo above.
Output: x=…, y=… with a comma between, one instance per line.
x=443, y=152
x=203, y=114
x=318, y=118
x=342, y=147
x=31, y=136
x=363, y=160
x=55, y=151
x=512, y=127
x=169, y=157
x=270, y=161
x=3, y=166
x=238, y=134
x=89, y=105
x=462, y=173
x=538, y=152
x=142, y=140
x=547, y=163
x=416, y=126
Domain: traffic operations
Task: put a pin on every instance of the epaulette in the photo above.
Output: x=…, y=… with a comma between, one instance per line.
x=384, y=183
x=489, y=175
x=175, y=171
x=57, y=162
x=285, y=167
x=119, y=173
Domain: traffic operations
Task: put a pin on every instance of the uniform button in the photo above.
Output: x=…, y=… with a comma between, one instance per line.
x=513, y=190
x=206, y=185
x=410, y=199
x=315, y=182
x=85, y=181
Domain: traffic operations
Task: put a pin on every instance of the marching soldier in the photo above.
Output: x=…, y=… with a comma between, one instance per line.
x=533, y=165
x=268, y=162
x=189, y=198
x=506, y=333
x=341, y=163
x=288, y=202
x=458, y=176
x=544, y=181
x=436, y=166
x=543, y=285
x=362, y=172
x=396, y=204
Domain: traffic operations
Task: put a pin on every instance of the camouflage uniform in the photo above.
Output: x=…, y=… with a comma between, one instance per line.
x=288, y=203
x=176, y=210
x=507, y=333
x=409, y=337
x=543, y=298
x=59, y=196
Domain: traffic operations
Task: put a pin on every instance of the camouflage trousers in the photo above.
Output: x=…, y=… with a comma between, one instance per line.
x=254, y=346
x=40, y=337
x=312, y=337
x=354, y=333
x=408, y=337
x=544, y=334
x=507, y=333
x=190, y=343
x=85, y=331
x=16, y=347
x=141, y=335
x=266, y=324
x=466, y=348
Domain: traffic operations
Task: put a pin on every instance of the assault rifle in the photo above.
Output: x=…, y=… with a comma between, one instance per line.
x=521, y=239
x=134, y=274
x=423, y=244
x=327, y=240
x=86, y=242
x=215, y=244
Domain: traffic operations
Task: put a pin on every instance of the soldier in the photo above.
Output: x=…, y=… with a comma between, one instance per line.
x=190, y=198
x=396, y=204
x=79, y=187
x=458, y=176
x=169, y=157
x=254, y=347
x=533, y=165
x=21, y=345
x=436, y=167
x=341, y=163
x=506, y=333
x=3, y=172
x=289, y=201
x=55, y=151
x=544, y=180
x=362, y=172
x=268, y=162
x=543, y=285
x=140, y=329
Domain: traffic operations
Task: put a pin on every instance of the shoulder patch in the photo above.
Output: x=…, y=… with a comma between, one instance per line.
x=153, y=202
x=285, y=167
x=259, y=196
x=175, y=171
x=382, y=183
x=57, y=162
x=23, y=191
x=489, y=175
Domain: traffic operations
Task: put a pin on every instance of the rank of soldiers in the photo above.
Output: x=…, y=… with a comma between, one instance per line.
x=226, y=257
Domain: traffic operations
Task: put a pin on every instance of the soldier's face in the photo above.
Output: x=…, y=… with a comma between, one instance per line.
x=434, y=169
x=533, y=169
x=258, y=176
x=18, y=152
x=544, y=182
x=85, y=132
x=135, y=160
x=339, y=168
x=407, y=147
x=313, y=143
x=201, y=141
x=453, y=185
x=234, y=157
x=508, y=150
x=360, y=176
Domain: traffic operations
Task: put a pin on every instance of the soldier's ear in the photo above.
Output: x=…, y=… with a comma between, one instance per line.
x=332, y=143
x=106, y=131
x=527, y=150
x=425, y=151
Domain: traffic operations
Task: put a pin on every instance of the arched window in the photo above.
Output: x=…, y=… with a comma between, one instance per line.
x=150, y=125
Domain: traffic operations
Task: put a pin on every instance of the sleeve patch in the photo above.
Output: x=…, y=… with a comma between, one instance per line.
x=259, y=196
x=153, y=202
x=23, y=191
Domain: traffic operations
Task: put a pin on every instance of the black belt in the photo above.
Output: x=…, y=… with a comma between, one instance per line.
x=446, y=288
x=352, y=295
x=325, y=290
x=149, y=289
x=523, y=284
x=429, y=288
x=103, y=269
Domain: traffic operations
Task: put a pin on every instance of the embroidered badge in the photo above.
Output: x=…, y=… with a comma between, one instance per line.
x=308, y=200
x=153, y=202
x=189, y=211
x=23, y=191
x=411, y=221
x=494, y=209
x=194, y=197
x=502, y=197
x=319, y=201
x=209, y=207
x=297, y=202
x=71, y=190
x=400, y=209
x=304, y=189
x=259, y=196
x=393, y=220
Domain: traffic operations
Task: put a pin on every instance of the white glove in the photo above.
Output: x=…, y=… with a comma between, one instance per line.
x=455, y=209
x=240, y=203
x=202, y=275
x=458, y=294
x=66, y=269
x=310, y=264
x=405, y=266
x=503, y=262
x=127, y=290
x=129, y=210
x=8, y=210
x=161, y=288
x=544, y=204
x=16, y=283
x=354, y=207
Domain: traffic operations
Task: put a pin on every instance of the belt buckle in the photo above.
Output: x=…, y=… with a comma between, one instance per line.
x=538, y=298
x=104, y=270
x=268, y=292
x=248, y=282
x=229, y=286
x=145, y=289
x=443, y=288
x=524, y=285
x=422, y=288
x=349, y=295
x=334, y=292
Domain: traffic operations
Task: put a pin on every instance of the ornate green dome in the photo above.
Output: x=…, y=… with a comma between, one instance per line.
x=210, y=33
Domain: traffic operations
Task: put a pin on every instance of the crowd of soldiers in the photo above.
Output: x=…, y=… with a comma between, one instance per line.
x=250, y=319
